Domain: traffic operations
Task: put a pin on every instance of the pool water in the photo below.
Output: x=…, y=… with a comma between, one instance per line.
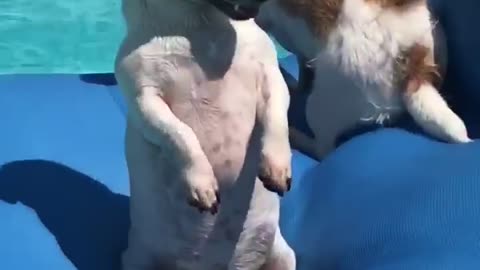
x=60, y=36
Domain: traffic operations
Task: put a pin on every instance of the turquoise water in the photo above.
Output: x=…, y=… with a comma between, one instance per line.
x=281, y=52
x=60, y=36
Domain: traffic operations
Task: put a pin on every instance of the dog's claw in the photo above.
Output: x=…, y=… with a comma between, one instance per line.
x=273, y=189
x=213, y=209
x=217, y=194
x=289, y=184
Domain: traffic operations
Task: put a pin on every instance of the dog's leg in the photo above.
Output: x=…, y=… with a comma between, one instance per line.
x=136, y=257
x=256, y=241
x=161, y=127
x=433, y=114
x=139, y=256
x=282, y=256
x=275, y=167
x=424, y=102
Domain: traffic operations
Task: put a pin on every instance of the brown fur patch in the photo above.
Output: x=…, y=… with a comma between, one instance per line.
x=418, y=66
x=320, y=15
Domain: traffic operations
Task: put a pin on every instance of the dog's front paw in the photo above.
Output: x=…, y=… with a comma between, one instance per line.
x=275, y=172
x=458, y=132
x=203, y=189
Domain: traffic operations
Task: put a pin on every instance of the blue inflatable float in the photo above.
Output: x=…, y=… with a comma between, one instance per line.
x=385, y=200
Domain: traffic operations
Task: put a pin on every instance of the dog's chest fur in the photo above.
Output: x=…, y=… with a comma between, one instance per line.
x=214, y=93
x=367, y=44
x=357, y=40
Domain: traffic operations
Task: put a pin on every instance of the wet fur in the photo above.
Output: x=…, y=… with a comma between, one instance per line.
x=366, y=59
x=207, y=115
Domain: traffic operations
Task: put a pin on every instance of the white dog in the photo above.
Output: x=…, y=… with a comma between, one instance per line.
x=207, y=114
x=373, y=60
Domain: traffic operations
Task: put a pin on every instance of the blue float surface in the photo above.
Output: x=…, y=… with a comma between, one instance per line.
x=388, y=199
x=63, y=178
x=63, y=182
x=385, y=200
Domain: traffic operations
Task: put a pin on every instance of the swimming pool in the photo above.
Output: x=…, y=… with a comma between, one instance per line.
x=51, y=36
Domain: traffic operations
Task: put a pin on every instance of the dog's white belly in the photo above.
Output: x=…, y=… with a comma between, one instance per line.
x=366, y=44
x=165, y=225
x=354, y=82
x=367, y=58
x=222, y=113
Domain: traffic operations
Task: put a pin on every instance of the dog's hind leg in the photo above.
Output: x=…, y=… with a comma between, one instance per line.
x=281, y=256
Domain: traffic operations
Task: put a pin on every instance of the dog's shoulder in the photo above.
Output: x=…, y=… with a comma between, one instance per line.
x=137, y=55
x=252, y=38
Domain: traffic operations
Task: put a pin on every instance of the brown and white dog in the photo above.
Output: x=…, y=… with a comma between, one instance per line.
x=207, y=114
x=373, y=60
